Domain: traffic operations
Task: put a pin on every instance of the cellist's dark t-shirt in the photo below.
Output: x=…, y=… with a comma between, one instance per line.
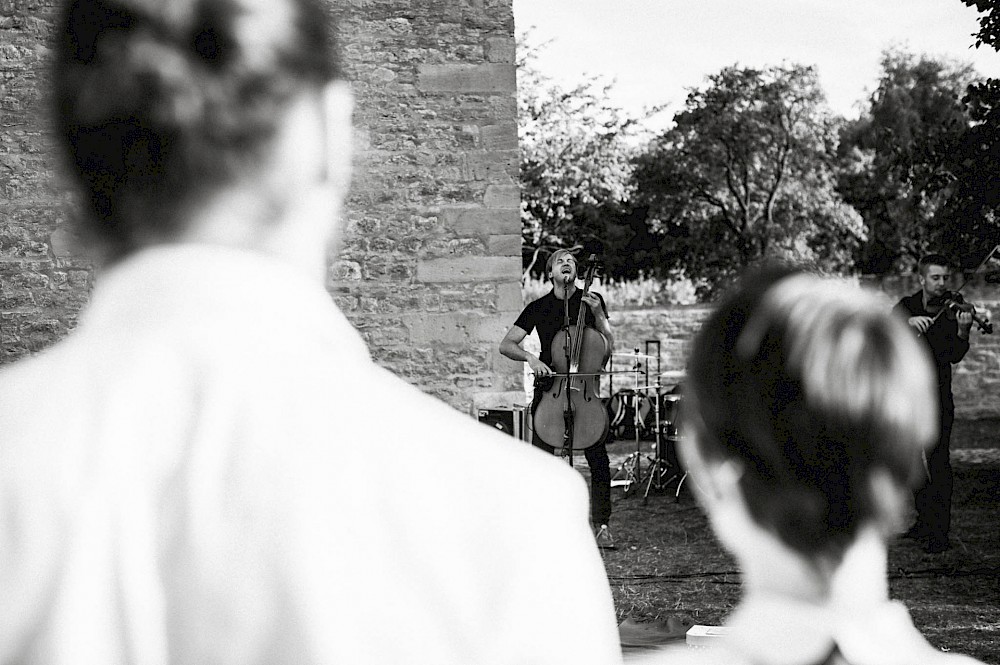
x=546, y=316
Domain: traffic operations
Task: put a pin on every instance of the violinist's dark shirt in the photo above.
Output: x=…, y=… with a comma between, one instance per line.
x=941, y=339
x=546, y=315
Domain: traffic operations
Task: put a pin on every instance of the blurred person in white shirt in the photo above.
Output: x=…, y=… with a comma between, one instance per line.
x=192, y=475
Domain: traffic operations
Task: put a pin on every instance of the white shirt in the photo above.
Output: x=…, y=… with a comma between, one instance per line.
x=210, y=469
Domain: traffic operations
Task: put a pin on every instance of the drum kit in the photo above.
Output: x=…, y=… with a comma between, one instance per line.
x=648, y=411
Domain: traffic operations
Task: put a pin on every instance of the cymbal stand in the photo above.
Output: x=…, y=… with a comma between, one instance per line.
x=633, y=463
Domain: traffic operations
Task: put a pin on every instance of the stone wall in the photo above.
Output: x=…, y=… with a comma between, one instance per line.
x=430, y=264
x=976, y=381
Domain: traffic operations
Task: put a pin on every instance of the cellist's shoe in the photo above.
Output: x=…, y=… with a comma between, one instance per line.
x=604, y=539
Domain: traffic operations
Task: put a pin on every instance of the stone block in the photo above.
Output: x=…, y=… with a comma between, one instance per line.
x=499, y=137
x=491, y=329
x=469, y=269
x=462, y=78
x=499, y=166
x=449, y=328
x=480, y=221
x=504, y=245
x=502, y=196
x=510, y=298
x=500, y=49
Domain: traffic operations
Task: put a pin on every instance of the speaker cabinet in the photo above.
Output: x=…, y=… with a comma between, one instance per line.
x=508, y=420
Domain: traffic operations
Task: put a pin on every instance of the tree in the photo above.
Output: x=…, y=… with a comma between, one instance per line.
x=576, y=152
x=895, y=167
x=973, y=211
x=746, y=173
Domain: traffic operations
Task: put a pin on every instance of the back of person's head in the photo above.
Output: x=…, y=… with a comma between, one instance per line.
x=161, y=103
x=819, y=396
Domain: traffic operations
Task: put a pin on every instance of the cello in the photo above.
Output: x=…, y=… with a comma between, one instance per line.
x=571, y=414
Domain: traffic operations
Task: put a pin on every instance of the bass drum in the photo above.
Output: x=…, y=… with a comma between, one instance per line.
x=670, y=404
x=669, y=400
x=622, y=414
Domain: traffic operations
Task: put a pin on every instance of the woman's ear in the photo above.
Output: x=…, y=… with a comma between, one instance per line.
x=724, y=481
x=893, y=502
x=338, y=110
x=714, y=481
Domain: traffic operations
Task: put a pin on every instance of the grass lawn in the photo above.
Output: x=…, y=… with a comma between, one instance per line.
x=669, y=563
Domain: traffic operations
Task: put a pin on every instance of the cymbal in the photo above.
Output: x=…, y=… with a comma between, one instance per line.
x=632, y=355
x=669, y=396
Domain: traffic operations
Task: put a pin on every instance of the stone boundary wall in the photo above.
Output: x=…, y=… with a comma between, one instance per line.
x=976, y=381
x=430, y=265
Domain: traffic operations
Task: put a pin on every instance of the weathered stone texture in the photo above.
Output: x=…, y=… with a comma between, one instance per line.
x=429, y=266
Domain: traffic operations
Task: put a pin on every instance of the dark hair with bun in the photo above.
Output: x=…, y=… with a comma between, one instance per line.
x=812, y=387
x=160, y=103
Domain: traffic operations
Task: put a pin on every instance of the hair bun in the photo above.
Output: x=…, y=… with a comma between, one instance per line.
x=162, y=78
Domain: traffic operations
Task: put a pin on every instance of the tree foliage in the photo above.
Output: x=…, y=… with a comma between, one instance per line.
x=575, y=166
x=746, y=173
x=755, y=166
x=896, y=167
x=973, y=213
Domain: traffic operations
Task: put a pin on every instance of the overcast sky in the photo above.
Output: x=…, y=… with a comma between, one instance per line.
x=656, y=49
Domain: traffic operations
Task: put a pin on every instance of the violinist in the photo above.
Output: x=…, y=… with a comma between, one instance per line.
x=546, y=316
x=946, y=335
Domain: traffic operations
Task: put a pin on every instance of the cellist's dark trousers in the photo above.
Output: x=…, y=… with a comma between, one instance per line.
x=600, y=469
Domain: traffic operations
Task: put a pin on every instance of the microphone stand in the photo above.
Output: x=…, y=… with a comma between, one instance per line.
x=568, y=413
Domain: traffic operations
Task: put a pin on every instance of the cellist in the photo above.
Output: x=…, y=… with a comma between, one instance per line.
x=546, y=315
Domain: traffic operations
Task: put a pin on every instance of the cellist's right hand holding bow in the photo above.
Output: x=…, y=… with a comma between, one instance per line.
x=920, y=323
x=538, y=367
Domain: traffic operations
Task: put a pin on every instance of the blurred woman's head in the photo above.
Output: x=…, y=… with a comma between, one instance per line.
x=163, y=104
x=816, y=401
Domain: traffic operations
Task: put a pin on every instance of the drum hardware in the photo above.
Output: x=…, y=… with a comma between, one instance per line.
x=632, y=465
x=665, y=467
x=653, y=411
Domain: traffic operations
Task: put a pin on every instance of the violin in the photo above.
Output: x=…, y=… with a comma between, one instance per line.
x=953, y=302
x=571, y=414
